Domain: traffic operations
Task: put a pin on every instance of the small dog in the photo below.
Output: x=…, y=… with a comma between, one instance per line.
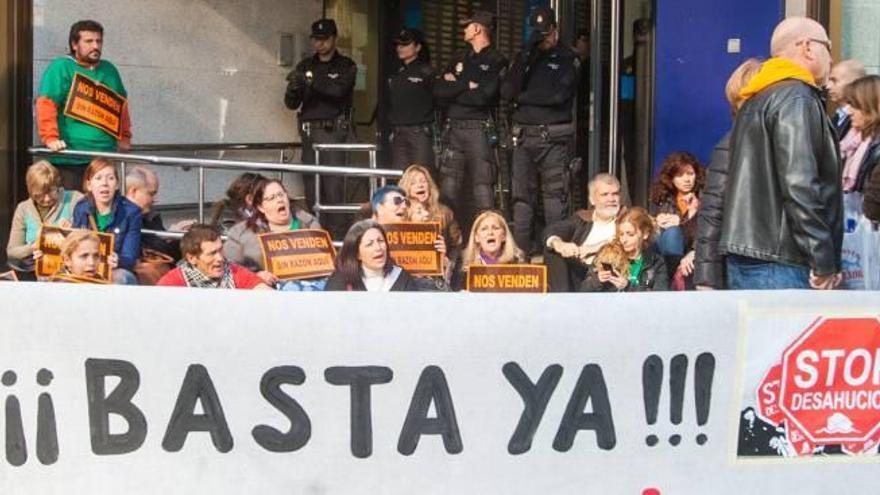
x=612, y=257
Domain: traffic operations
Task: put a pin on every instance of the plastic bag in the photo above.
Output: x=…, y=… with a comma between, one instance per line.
x=860, y=263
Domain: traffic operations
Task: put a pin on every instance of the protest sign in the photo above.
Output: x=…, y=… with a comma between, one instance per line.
x=228, y=392
x=298, y=254
x=95, y=104
x=507, y=278
x=411, y=245
x=49, y=241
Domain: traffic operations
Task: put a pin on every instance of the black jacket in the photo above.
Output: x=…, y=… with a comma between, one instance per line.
x=869, y=163
x=542, y=85
x=784, y=202
x=486, y=69
x=412, y=94
x=574, y=229
x=324, y=89
x=708, y=262
x=404, y=283
x=653, y=277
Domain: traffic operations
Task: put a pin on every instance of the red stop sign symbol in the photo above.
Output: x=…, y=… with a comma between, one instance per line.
x=830, y=383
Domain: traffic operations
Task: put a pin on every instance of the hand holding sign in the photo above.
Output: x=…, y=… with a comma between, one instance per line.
x=297, y=254
x=417, y=247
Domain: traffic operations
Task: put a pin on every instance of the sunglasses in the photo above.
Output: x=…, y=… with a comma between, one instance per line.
x=399, y=200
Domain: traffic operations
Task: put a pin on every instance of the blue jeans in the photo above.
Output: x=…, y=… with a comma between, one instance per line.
x=753, y=274
x=670, y=242
x=121, y=276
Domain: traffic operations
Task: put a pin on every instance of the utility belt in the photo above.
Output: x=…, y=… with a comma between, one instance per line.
x=427, y=127
x=547, y=132
x=487, y=125
x=340, y=123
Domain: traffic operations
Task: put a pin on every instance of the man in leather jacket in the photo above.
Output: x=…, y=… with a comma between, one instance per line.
x=783, y=208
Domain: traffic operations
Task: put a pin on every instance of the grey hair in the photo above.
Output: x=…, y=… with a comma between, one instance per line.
x=138, y=176
x=604, y=178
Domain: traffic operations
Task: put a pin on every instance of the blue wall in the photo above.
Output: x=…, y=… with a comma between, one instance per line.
x=692, y=63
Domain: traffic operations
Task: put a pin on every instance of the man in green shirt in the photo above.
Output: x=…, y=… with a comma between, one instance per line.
x=82, y=103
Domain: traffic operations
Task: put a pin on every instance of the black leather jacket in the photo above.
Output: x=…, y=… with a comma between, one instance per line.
x=784, y=202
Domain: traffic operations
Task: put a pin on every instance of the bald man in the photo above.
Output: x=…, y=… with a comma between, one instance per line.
x=783, y=221
x=841, y=76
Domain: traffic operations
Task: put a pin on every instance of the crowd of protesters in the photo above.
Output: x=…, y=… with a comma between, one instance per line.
x=767, y=213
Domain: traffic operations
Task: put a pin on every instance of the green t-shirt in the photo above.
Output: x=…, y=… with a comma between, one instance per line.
x=103, y=221
x=294, y=224
x=635, y=269
x=55, y=85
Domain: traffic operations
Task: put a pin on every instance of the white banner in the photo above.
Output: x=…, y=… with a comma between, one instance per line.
x=158, y=390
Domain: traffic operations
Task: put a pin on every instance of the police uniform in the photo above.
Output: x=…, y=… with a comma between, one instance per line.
x=541, y=85
x=323, y=93
x=411, y=109
x=470, y=131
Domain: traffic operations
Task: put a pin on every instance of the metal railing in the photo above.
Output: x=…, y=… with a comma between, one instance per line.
x=203, y=164
x=170, y=234
x=318, y=207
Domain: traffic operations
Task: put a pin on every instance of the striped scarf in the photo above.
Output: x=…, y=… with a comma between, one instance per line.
x=195, y=278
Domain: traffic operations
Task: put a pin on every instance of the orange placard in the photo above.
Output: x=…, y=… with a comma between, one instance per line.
x=49, y=242
x=9, y=276
x=95, y=104
x=298, y=254
x=411, y=245
x=507, y=278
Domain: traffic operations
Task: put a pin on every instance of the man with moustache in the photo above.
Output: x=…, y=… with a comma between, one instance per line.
x=59, y=125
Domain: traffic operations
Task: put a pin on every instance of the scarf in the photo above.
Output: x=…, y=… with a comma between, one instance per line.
x=771, y=72
x=195, y=278
x=852, y=148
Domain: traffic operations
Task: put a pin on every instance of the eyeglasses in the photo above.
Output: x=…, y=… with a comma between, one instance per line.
x=399, y=200
x=825, y=43
x=275, y=196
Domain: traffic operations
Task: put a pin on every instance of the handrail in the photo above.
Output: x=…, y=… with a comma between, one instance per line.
x=170, y=234
x=344, y=146
x=211, y=163
x=215, y=146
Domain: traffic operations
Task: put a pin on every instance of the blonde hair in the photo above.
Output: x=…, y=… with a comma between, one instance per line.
x=433, y=203
x=41, y=177
x=510, y=253
x=613, y=254
x=74, y=239
x=738, y=80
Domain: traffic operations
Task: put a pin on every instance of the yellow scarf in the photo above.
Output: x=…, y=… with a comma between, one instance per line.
x=772, y=71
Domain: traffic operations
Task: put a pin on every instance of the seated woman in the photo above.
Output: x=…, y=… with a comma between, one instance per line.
x=48, y=203
x=389, y=204
x=634, y=240
x=363, y=263
x=106, y=210
x=80, y=257
x=420, y=188
x=272, y=213
x=490, y=243
x=674, y=204
x=238, y=205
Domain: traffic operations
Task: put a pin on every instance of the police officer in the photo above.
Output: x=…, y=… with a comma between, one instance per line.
x=411, y=106
x=469, y=88
x=541, y=85
x=321, y=87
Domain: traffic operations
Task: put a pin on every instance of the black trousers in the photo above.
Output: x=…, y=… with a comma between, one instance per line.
x=467, y=154
x=537, y=162
x=72, y=175
x=563, y=274
x=332, y=187
x=412, y=144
